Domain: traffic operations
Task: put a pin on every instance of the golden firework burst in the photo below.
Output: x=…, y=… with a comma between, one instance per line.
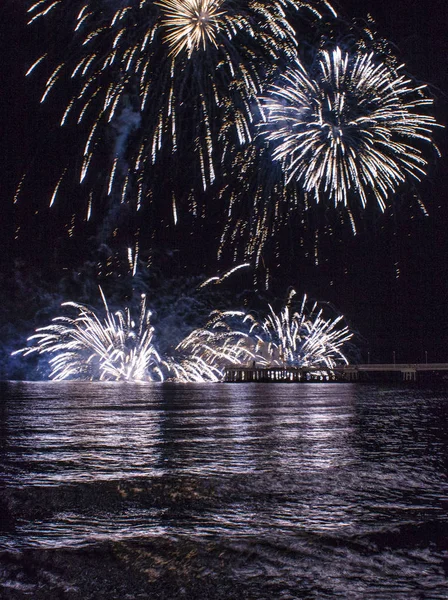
x=191, y=24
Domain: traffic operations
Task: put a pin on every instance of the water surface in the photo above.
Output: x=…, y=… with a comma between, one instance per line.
x=223, y=491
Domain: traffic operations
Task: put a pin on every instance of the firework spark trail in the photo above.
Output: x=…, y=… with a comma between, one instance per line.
x=300, y=338
x=219, y=279
x=271, y=202
x=350, y=126
x=201, y=63
x=112, y=349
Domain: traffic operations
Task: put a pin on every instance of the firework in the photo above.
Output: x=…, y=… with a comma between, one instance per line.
x=217, y=279
x=165, y=78
x=192, y=24
x=301, y=337
x=207, y=350
x=350, y=126
x=259, y=202
x=86, y=347
x=193, y=370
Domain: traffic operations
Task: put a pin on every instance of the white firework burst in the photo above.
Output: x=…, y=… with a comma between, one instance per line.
x=301, y=337
x=115, y=348
x=349, y=126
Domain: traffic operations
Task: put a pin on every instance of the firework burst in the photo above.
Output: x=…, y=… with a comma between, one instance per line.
x=207, y=350
x=300, y=337
x=172, y=77
x=88, y=348
x=350, y=126
x=191, y=24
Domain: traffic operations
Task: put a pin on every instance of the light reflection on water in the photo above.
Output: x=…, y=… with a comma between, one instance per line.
x=308, y=468
x=95, y=431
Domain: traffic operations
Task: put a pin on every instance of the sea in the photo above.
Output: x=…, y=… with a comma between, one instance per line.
x=223, y=491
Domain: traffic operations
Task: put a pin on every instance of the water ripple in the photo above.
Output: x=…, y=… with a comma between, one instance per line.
x=276, y=491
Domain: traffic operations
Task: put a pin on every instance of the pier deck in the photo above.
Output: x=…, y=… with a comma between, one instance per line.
x=408, y=371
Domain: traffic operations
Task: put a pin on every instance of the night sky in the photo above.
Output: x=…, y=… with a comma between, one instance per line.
x=390, y=280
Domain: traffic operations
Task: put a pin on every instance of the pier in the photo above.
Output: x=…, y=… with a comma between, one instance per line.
x=272, y=374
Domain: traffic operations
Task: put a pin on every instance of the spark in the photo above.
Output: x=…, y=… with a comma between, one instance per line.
x=55, y=191
x=174, y=210
x=19, y=189
x=133, y=259
x=34, y=65
x=89, y=207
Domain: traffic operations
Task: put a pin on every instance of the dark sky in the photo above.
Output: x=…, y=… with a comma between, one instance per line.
x=391, y=280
